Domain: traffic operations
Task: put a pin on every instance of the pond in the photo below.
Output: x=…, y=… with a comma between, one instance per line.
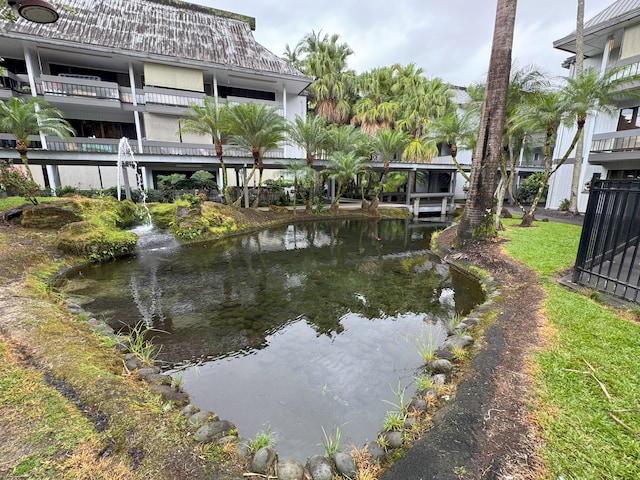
x=293, y=329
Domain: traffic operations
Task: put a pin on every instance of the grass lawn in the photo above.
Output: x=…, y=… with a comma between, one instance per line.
x=588, y=380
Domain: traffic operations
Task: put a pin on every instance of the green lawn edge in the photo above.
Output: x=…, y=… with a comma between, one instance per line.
x=592, y=349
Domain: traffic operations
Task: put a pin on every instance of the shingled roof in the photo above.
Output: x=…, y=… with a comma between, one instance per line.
x=162, y=28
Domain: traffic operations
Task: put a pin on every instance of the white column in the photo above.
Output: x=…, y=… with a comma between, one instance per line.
x=284, y=112
x=136, y=114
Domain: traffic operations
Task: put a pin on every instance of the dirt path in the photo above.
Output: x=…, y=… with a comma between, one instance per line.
x=484, y=432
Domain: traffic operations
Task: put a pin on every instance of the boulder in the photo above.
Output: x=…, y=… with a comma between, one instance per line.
x=290, y=470
x=440, y=366
x=263, y=460
x=213, y=430
x=345, y=464
x=457, y=342
x=319, y=468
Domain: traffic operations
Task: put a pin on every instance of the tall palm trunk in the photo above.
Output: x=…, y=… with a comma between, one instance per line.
x=21, y=147
x=527, y=218
x=477, y=217
x=454, y=156
x=577, y=166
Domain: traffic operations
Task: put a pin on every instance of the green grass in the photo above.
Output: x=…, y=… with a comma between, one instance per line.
x=10, y=202
x=591, y=344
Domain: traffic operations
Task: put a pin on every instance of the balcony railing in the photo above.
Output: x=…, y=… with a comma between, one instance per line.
x=110, y=146
x=76, y=87
x=616, y=142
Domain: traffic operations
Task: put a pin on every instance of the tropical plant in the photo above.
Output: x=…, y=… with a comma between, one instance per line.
x=343, y=168
x=304, y=180
x=256, y=128
x=589, y=93
x=209, y=119
x=387, y=144
x=455, y=130
x=377, y=107
x=22, y=118
x=202, y=179
x=324, y=58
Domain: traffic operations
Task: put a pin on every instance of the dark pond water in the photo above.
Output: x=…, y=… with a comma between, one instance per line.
x=292, y=329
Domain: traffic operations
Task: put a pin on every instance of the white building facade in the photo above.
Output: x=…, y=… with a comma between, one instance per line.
x=131, y=68
x=611, y=142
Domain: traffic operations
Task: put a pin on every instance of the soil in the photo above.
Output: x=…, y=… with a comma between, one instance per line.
x=483, y=432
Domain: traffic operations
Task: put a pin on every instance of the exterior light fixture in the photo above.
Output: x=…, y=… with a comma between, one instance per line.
x=37, y=11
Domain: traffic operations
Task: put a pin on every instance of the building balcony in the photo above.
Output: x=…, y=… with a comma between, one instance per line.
x=612, y=149
x=79, y=150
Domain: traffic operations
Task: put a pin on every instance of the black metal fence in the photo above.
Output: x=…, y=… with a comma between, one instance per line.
x=608, y=258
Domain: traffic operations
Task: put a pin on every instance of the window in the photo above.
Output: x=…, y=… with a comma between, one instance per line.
x=628, y=119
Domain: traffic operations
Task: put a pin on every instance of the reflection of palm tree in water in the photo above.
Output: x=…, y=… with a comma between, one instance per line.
x=146, y=296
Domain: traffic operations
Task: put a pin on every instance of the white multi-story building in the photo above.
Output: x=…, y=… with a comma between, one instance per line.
x=612, y=142
x=131, y=68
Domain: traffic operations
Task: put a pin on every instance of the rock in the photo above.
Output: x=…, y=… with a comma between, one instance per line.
x=263, y=460
x=457, y=342
x=48, y=216
x=471, y=321
x=133, y=363
x=243, y=449
x=345, y=464
x=438, y=380
x=226, y=440
x=443, y=354
x=375, y=450
x=169, y=394
x=319, y=468
x=290, y=470
x=213, y=430
x=143, y=372
x=199, y=418
x=189, y=410
x=418, y=405
x=394, y=440
x=158, y=379
x=440, y=366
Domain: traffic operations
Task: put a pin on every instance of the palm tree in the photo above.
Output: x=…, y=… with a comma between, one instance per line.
x=303, y=176
x=387, y=144
x=210, y=120
x=376, y=108
x=590, y=93
x=24, y=118
x=256, y=128
x=476, y=219
x=326, y=60
x=309, y=134
x=577, y=165
x=453, y=129
x=343, y=168
x=312, y=136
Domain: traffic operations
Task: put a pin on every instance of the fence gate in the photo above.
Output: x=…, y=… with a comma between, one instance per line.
x=608, y=258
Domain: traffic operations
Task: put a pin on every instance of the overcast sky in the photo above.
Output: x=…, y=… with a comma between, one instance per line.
x=450, y=39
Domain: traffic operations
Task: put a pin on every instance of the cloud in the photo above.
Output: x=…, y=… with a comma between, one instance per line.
x=450, y=40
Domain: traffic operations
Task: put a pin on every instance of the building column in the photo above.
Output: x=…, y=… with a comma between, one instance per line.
x=136, y=113
x=284, y=113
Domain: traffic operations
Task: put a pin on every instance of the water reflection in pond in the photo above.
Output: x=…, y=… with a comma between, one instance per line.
x=296, y=328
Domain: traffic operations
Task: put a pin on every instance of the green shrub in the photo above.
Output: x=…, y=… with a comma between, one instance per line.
x=528, y=188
